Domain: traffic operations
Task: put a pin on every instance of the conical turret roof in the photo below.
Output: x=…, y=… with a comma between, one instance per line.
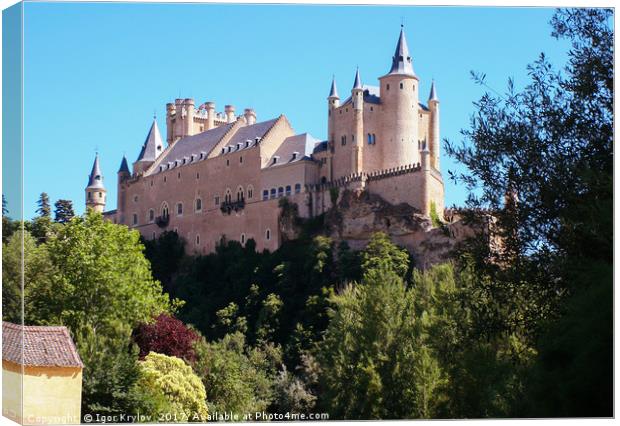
x=124, y=167
x=333, y=91
x=433, y=95
x=357, y=84
x=152, y=146
x=401, y=61
x=95, y=179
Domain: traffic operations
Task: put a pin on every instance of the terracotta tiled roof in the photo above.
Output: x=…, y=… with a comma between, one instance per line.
x=41, y=346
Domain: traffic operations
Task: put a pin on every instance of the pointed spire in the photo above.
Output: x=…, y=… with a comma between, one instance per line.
x=401, y=61
x=433, y=95
x=333, y=92
x=152, y=146
x=95, y=179
x=124, y=167
x=357, y=84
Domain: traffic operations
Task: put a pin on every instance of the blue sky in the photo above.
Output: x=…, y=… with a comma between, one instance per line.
x=95, y=73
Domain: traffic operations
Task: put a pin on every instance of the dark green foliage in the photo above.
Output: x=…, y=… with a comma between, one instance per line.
x=549, y=148
x=165, y=254
x=44, y=209
x=63, y=211
x=573, y=374
x=237, y=378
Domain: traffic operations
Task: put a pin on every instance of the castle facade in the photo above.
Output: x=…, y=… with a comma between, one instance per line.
x=221, y=175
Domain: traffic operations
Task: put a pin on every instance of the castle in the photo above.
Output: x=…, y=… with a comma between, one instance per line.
x=221, y=175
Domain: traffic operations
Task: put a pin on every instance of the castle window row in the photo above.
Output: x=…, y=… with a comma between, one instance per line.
x=280, y=191
x=372, y=139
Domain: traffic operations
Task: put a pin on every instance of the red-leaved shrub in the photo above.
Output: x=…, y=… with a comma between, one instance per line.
x=166, y=335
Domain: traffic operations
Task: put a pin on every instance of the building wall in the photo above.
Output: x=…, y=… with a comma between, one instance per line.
x=52, y=395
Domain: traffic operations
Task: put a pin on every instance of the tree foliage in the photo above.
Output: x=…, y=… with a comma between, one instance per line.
x=101, y=278
x=63, y=211
x=166, y=335
x=237, y=379
x=169, y=379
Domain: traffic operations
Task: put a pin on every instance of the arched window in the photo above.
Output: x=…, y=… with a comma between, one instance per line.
x=100, y=195
x=198, y=204
x=280, y=191
x=273, y=193
x=297, y=188
x=179, y=209
x=135, y=219
x=268, y=234
x=242, y=238
x=240, y=194
x=217, y=200
x=151, y=215
x=265, y=194
x=250, y=192
x=164, y=212
x=287, y=191
x=228, y=196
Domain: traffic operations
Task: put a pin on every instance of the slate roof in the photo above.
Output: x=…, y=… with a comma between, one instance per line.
x=124, y=167
x=153, y=145
x=357, y=84
x=205, y=142
x=433, y=95
x=40, y=346
x=95, y=179
x=333, y=91
x=303, y=144
x=320, y=147
x=371, y=95
x=195, y=144
x=401, y=61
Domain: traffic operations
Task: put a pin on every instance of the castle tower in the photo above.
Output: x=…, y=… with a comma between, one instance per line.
x=123, y=174
x=152, y=147
x=95, y=191
x=229, y=110
x=210, y=115
x=357, y=98
x=333, y=102
x=250, y=116
x=399, y=97
x=433, y=106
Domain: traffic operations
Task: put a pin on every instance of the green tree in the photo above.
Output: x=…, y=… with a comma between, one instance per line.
x=549, y=147
x=236, y=378
x=101, y=278
x=110, y=374
x=44, y=209
x=63, y=211
x=374, y=362
x=169, y=379
x=382, y=253
x=268, y=322
x=21, y=251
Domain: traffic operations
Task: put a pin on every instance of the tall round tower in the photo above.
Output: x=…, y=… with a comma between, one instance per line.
x=333, y=102
x=95, y=191
x=400, y=105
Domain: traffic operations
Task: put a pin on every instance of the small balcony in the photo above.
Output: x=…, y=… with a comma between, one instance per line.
x=162, y=221
x=232, y=206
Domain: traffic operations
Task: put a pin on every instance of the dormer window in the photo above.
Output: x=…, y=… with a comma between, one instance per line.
x=257, y=139
x=295, y=155
x=223, y=150
x=248, y=142
x=239, y=146
x=275, y=160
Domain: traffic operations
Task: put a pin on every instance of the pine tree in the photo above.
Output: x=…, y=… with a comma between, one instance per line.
x=63, y=212
x=44, y=209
